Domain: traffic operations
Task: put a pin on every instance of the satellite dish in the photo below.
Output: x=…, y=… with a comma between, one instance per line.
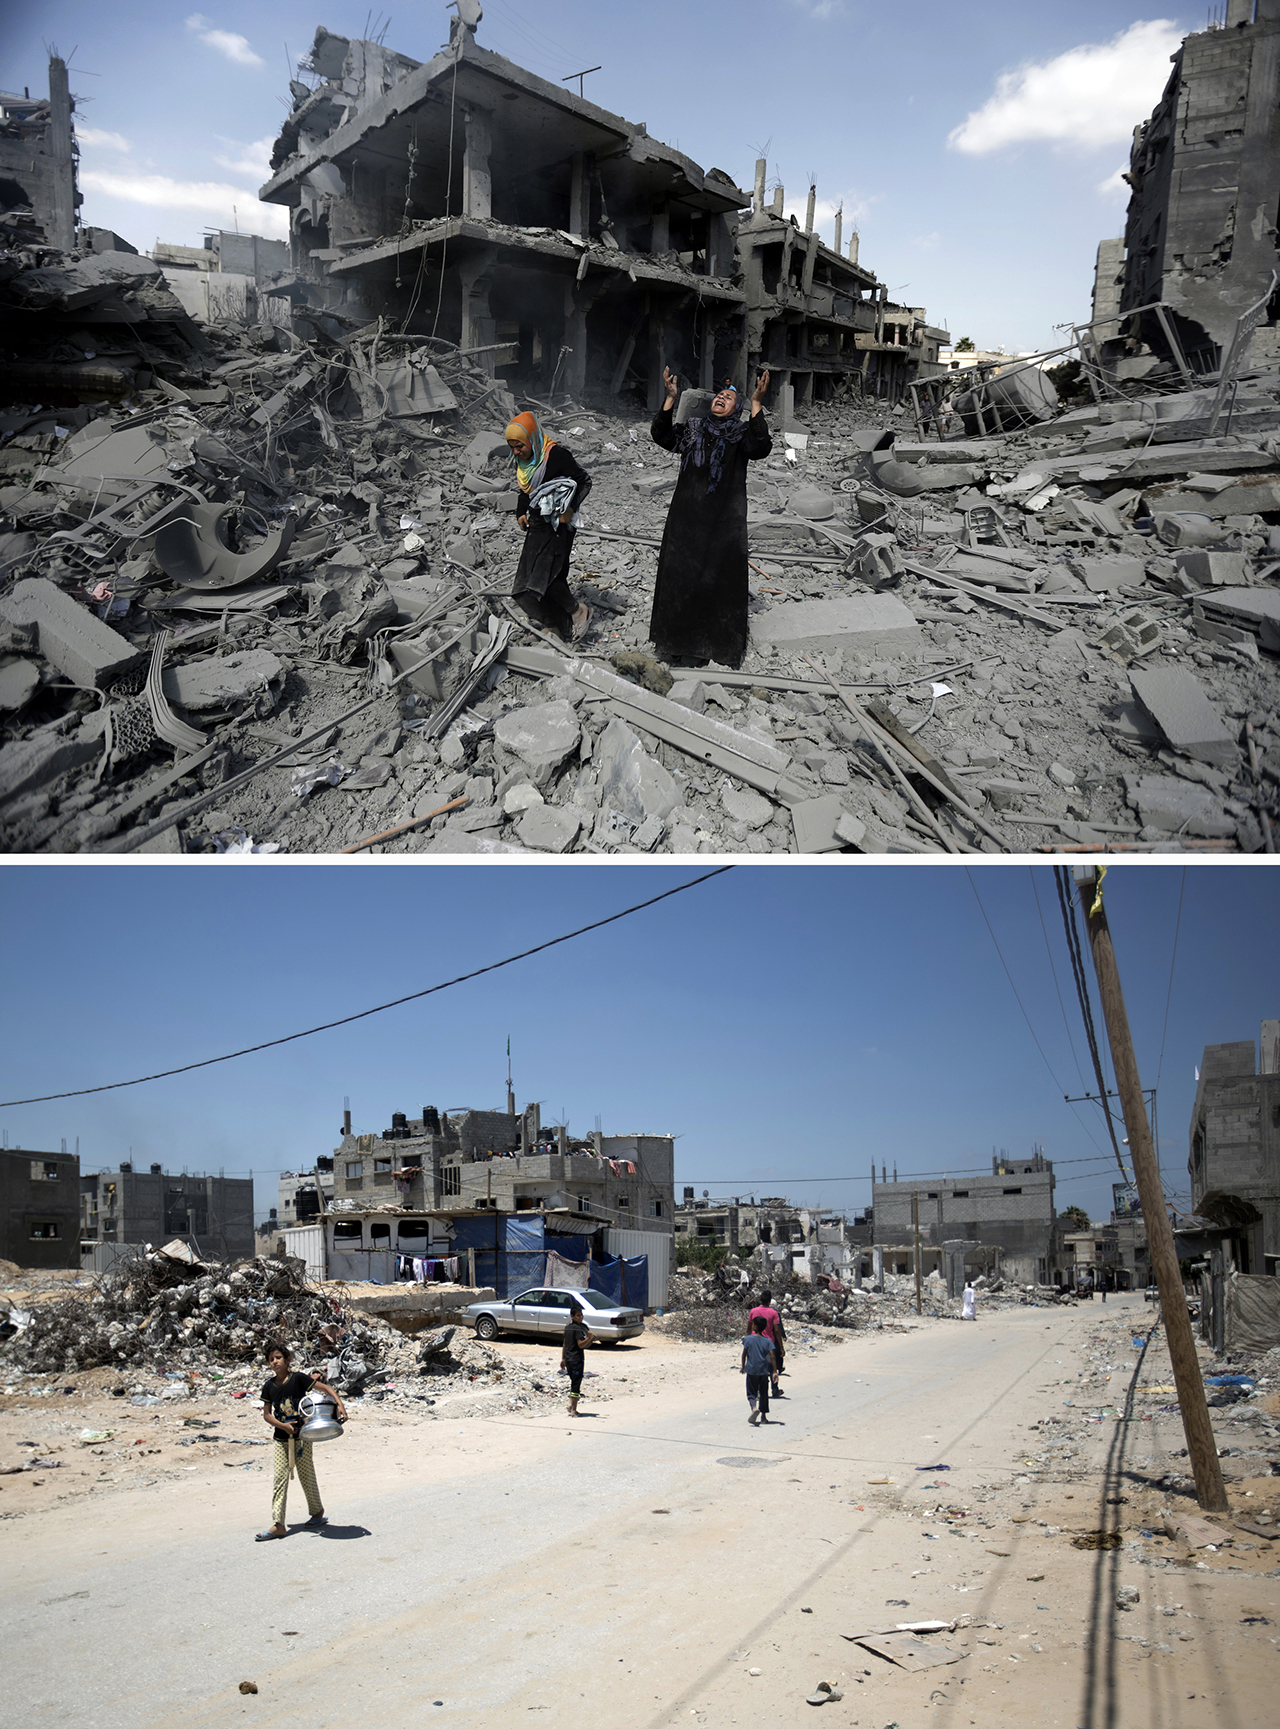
x=706, y=1194
x=470, y=12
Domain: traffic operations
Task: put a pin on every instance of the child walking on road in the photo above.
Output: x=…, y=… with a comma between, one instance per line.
x=758, y=1357
x=281, y=1397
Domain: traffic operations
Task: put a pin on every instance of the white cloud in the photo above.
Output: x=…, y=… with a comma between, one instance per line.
x=824, y=213
x=225, y=41
x=1092, y=95
x=1114, y=186
x=217, y=204
x=96, y=140
x=253, y=160
x=822, y=9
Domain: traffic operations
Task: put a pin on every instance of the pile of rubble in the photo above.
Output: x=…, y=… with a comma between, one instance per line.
x=255, y=593
x=169, y=1311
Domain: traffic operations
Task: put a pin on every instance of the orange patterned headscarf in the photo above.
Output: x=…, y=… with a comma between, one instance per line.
x=525, y=426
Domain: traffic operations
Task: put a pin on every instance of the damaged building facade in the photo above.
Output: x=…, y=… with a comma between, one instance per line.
x=1204, y=172
x=1234, y=1152
x=39, y=1208
x=153, y=1206
x=468, y=199
x=504, y=1161
x=1011, y=1210
x=39, y=198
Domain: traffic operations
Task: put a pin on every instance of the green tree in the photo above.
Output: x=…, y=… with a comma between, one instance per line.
x=699, y=1252
x=1076, y=1219
x=965, y=345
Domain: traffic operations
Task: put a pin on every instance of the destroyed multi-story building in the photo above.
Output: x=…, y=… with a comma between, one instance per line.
x=38, y=193
x=1234, y=1154
x=131, y=1207
x=1011, y=1210
x=39, y=1207
x=1204, y=171
x=816, y=316
x=559, y=243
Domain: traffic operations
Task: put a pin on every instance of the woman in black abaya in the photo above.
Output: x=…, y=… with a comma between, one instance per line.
x=700, y=600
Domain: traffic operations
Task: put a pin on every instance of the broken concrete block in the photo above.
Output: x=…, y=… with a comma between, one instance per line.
x=1100, y=575
x=748, y=807
x=1175, y=701
x=691, y=692
x=80, y=645
x=649, y=833
x=862, y=624
x=1132, y=635
x=850, y=831
x=521, y=798
x=543, y=738
x=1258, y=608
x=1213, y=569
x=1177, y=806
x=19, y=681
x=486, y=451
x=32, y=762
x=692, y=403
x=220, y=683
x=549, y=828
x=813, y=821
x=630, y=779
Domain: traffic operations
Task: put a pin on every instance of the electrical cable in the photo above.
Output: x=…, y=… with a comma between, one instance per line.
x=1063, y=881
x=363, y=1014
x=1066, y=1025
x=1169, y=994
x=1026, y=1017
x=448, y=197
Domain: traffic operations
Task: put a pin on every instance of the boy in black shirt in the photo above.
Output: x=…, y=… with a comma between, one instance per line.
x=281, y=1396
x=576, y=1336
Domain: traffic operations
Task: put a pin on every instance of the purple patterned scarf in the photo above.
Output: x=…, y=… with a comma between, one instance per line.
x=704, y=440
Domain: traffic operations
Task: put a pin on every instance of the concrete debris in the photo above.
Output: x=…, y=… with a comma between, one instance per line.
x=316, y=508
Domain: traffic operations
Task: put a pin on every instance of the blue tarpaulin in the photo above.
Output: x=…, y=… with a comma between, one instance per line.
x=575, y=1249
x=625, y=1279
x=510, y=1254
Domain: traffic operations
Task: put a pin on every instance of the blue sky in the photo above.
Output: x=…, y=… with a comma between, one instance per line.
x=787, y=1023
x=976, y=146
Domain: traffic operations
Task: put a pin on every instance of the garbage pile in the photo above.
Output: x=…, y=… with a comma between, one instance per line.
x=164, y=1308
x=255, y=595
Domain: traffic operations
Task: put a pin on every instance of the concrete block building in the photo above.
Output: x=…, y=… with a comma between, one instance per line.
x=1012, y=1210
x=128, y=1206
x=1234, y=1152
x=39, y=1208
x=503, y=1160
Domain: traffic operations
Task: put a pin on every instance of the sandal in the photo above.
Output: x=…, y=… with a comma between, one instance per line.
x=581, y=622
x=317, y=1522
x=269, y=1535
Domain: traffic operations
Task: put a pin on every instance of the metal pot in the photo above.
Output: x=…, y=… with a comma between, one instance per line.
x=321, y=1422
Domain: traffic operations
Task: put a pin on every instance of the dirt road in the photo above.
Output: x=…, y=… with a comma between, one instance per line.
x=664, y=1562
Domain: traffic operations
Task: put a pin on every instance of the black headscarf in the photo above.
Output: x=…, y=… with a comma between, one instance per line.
x=707, y=437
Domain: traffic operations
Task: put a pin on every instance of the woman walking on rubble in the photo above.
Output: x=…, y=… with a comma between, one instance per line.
x=550, y=488
x=700, y=599
x=281, y=1398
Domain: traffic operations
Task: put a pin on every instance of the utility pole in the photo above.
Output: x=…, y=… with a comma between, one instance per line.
x=915, y=1220
x=1210, y=1490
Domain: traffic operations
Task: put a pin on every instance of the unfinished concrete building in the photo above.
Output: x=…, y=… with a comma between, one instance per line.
x=39, y=1208
x=1234, y=1154
x=38, y=194
x=469, y=199
x=1011, y=1210
x=128, y=1206
x=1201, y=234
x=495, y=1159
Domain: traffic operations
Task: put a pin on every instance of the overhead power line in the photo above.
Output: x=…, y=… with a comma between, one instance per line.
x=1082, y=991
x=381, y=1008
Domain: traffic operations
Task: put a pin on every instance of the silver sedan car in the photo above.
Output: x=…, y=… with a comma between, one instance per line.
x=545, y=1313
